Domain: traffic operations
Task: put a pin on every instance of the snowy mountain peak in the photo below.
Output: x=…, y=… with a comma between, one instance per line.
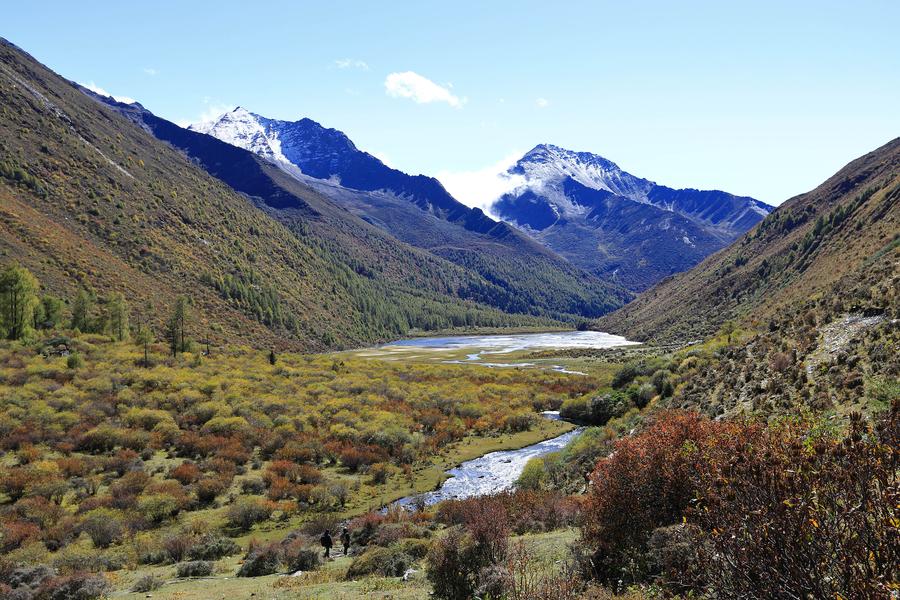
x=546, y=166
x=241, y=128
x=296, y=143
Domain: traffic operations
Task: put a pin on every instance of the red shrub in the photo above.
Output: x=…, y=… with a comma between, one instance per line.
x=649, y=481
x=795, y=512
x=187, y=473
x=355, y=458
x=14, y=534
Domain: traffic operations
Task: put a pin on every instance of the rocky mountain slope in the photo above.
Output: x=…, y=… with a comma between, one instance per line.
x=802, y=249
x=614, y=224
x=307, y=147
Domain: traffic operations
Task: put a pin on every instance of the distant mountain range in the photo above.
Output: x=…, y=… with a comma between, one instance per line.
x=614, y=224
x=621, y=228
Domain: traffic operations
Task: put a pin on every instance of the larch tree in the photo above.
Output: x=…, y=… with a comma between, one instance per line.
x=117, y=316
x=18, y=300
x=82, y=309
x=177, y=325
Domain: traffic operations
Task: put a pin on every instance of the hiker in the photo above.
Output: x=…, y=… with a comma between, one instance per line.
x=345, y=540
x=326, y=543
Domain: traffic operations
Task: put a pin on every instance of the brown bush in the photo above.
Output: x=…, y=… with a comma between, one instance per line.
x=804, y=514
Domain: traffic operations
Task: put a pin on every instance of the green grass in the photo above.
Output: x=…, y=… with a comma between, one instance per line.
x=328, y=582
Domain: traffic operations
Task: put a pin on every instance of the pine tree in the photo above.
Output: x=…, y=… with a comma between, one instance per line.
x=177, y=325
x=18, y=300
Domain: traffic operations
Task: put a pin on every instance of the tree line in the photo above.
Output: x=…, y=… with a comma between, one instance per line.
x=24, y=310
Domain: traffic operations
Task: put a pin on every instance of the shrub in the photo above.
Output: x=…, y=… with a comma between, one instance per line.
x=176, y=546
x=158, y=507
x=195, y=568
x=147, y=583
x=387, y=562
x=212, y=547
x=81, y=586
x=456, y=560
x=74, y=361
x=379, y=473
x=261, y=560
x=597, y=410
x=247, y=512
x=103, y=526
x=209, y=488
x=803, y=513
x=453, y=565
x=253, y=486
x=416, y=548
x=298, y=557
x=647, y=482
x=14, y=534
x=186, y=473
x=74, y=559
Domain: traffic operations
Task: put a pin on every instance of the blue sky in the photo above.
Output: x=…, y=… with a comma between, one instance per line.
x=765, y=99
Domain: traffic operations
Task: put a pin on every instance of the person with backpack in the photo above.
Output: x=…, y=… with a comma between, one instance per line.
x=345, y=540
x=326, y=542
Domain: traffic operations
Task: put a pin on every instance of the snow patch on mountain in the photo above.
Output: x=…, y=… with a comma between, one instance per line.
x=546, y=166
x=244, y=129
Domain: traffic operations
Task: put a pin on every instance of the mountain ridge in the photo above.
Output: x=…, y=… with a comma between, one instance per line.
x=577, y=204
x=512, y=272
x=802, y=249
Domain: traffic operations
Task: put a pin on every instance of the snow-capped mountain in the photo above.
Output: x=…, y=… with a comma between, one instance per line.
x=616, y=224
x=243, y=129
x=308, y=148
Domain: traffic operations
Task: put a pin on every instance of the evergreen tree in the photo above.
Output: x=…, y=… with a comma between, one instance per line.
x=51, y=312
x=82, y=309
x=177, y=325
x=18, y=299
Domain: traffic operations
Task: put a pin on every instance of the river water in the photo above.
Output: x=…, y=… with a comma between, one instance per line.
x=498, y=471
x=494, y=472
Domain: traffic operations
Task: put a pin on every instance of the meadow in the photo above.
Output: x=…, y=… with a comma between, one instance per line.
x=108, y=458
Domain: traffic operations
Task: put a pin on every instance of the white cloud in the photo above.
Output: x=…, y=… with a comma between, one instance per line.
x=382, y=157
x=351, y=63
x=481, y=187
x=99, y=90
x=211, y=113
x=542, y=103
x=419, y=89
x=150, y=71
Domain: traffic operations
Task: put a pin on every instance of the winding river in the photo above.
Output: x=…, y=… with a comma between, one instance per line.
x=498, y=471
x=491, y=473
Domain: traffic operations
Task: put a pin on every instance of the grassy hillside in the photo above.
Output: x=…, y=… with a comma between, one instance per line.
x=842, y=229
x=90, y=200
x=802, y=312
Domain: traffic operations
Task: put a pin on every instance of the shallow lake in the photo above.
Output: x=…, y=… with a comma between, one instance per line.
x=502, y=344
